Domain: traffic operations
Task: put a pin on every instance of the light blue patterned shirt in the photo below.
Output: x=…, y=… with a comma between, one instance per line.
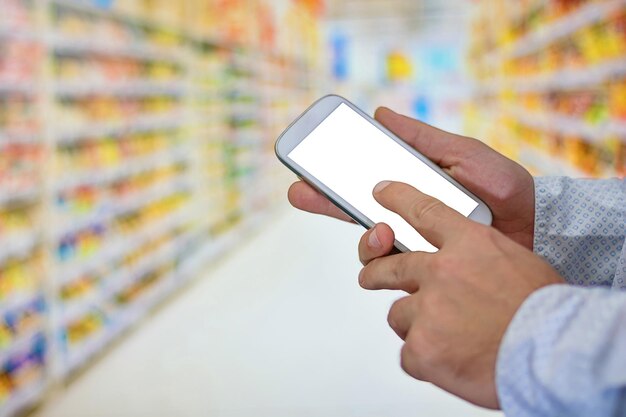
x=564, y=353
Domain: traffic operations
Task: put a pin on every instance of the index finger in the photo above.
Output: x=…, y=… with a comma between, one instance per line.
x=435, y=221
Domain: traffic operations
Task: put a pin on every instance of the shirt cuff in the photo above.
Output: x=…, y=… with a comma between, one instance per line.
x=516, y=391
x=548, y=361
x=547, y=190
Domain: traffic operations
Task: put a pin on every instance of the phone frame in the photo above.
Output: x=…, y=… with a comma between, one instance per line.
x=300, y=129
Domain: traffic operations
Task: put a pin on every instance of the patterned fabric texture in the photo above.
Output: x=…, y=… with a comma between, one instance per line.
x=564, y=353
x=579, y=227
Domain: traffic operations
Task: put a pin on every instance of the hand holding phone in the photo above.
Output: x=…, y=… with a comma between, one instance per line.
x=343, y=153
x=461, y=305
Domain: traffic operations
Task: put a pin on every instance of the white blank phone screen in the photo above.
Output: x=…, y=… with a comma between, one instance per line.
x=350, y=156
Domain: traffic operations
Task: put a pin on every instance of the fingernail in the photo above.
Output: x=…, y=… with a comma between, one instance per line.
x=381, y=186
x=373, y=240
x=361, y=277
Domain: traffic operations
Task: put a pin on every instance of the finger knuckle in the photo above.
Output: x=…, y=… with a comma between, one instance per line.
x=426, y=210
x=423, y=350
x=513, y=184
x=413, y=343
x=408, y=362
x=424, y=206
x=391, y=321
x=448, y=266
x=404, y=266
x=482, y=231
x=438, y=262
x=475, y=148
x=412, y=359
x=394, y=311
x=431, y=303
x=478, y=235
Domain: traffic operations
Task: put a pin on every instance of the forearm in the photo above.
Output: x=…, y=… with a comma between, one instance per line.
x=580, y=227
x=564, y=354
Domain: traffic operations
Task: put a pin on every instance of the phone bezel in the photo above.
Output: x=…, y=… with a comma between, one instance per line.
x=300, y=128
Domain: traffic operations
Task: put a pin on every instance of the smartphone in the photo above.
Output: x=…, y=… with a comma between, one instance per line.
x=343, y=153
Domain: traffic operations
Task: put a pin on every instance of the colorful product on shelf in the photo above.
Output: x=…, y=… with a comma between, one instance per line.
x=83, y=244
x=90, y=155
x=22, y=347
x=20, y=167
x=18, y=220
x=5, y=388
x=79, y=113
x=114, y=36
x=94, y=201
x=14, y=68
x=143, y=284
x=84, y=328
x=87, y=242
x=80, y=287
x=17, y=14
x=18, y=115
x=23, y=321
x=130, y=222
x=19, y=280
x=23, y=371
x=111, y=71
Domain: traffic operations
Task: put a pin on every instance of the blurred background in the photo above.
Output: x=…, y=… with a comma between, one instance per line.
x=137, y=171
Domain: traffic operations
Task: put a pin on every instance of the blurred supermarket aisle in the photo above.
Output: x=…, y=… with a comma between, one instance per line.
x=279, y=330
x=136, y=141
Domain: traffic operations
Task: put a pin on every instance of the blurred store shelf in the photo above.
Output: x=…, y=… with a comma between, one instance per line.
x=550, y=75
x=568, y=125
x=132, y=139
x=587, y=15
x=567, y=79
x=137, y=124
x=129, y=88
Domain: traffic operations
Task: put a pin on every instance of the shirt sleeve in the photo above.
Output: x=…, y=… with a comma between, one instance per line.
x=580, y=227
x=564, y=355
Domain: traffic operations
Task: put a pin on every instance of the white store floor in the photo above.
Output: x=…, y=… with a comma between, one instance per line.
x=279, y=328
